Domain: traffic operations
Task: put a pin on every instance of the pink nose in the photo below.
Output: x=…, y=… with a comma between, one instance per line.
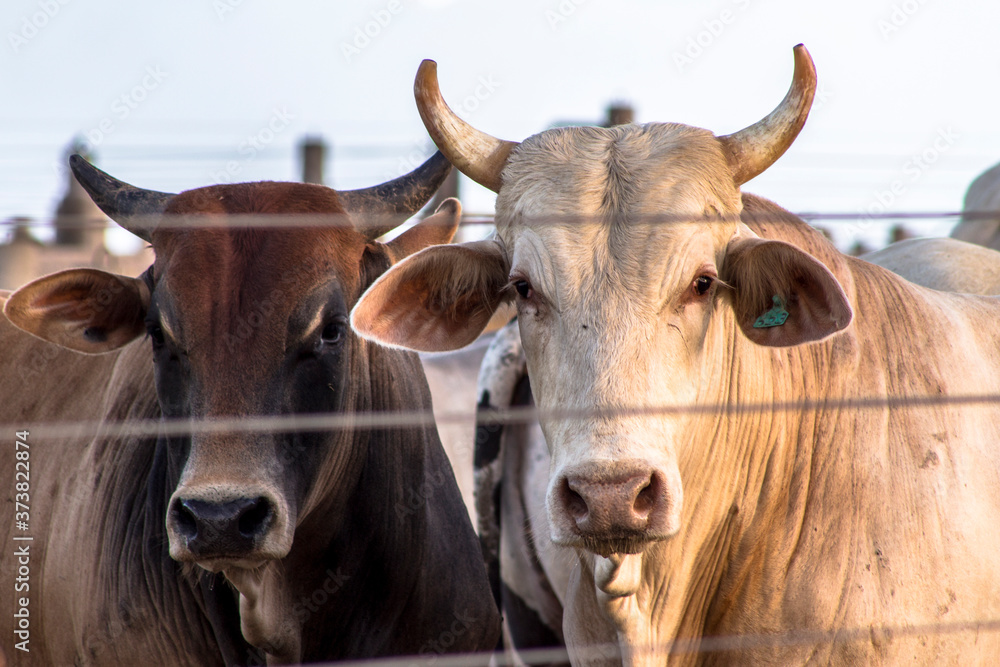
x=612, y=505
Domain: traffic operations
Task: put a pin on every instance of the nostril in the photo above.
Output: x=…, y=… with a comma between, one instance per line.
x=255, y=517
x=573, y=501
x=184, y=520
x=647, y=497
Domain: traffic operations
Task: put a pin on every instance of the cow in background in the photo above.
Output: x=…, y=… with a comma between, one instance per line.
x=945, y=264
x=795, y=516
x=980, y=223
x=230, y=546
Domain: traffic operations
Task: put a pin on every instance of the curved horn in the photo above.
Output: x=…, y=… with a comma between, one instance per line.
x=384, y=207
x=753, y=149
x=126, y=204
x=476, y=154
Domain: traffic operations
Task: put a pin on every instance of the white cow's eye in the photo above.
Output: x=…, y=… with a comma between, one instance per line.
x=523, y=288
x=702, y=284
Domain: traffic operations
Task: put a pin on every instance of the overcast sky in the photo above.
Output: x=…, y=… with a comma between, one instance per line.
x=184, y=94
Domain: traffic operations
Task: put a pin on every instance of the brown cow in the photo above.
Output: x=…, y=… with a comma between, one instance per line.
x=222, y=546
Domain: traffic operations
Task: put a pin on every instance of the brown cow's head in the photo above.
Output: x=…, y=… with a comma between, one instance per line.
x=632, y=272
x=245, y=321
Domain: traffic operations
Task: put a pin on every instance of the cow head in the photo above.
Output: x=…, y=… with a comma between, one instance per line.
x=244, y=321
x=635, y=280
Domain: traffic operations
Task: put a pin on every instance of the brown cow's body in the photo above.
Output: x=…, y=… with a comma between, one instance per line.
x=317, y=548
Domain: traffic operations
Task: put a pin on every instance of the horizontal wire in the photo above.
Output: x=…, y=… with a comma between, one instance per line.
x=310, y=423
x=257, y=220
x=686, y=646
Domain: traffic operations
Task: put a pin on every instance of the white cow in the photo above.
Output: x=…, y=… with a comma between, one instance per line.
x=942, y=263
x=980, y=222
x=728, y=475
x=451, y=377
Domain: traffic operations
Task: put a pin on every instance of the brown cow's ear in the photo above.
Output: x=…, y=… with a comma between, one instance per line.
x=85, y=310
x=783, y=295
x=439, y=299
x=432, y=230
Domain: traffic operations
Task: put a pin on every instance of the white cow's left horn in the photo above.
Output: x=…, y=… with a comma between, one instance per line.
x=478, y=155
x=753, y=149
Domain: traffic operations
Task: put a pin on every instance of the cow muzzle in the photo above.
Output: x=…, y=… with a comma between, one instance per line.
x=614, y=507
x=218, y=529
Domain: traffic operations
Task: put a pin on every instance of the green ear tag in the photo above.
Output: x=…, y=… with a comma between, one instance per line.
x=774, y=317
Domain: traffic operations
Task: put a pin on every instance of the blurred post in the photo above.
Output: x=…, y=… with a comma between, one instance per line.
x=313, y=152
x=620, y=113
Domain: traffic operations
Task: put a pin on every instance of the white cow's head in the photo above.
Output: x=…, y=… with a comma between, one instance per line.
x=633, y=276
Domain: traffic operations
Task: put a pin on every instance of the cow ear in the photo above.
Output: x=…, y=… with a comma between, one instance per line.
x=437, y=300
x=432, y=230
x=782, y=295
x=85, y=310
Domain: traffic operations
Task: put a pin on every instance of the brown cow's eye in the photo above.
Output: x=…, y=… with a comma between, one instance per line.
x=155, y=332
x=332, y=333
x=702, y=284
x=523, y=288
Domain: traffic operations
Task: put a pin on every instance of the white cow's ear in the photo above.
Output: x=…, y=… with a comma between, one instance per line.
x=782, y=295
x=439, y=299
x=85, y=310
x=432, y=230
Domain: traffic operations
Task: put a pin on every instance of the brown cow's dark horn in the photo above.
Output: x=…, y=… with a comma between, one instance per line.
x=753, y=149
x=476, y=154
x=131, y=207
x=384, y=207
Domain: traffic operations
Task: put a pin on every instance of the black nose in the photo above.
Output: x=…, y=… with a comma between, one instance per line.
x=227, y=529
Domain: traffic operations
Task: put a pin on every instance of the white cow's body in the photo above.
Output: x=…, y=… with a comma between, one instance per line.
x=735, y=469
x=980, y=222
x=451, y=377
x=942, y=263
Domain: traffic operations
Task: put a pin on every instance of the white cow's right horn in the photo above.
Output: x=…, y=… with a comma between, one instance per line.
x=476, y=154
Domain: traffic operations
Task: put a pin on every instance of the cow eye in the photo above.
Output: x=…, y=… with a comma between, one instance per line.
x=702, y=284
x=155, y=332
x=332, y=333
x=523, y=288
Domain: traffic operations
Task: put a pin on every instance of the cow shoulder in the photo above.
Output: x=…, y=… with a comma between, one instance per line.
x=86, y=310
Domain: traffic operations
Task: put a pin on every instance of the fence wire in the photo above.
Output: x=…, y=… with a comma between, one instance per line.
x=364, y=421
x=710, y=644
x=258, y=220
